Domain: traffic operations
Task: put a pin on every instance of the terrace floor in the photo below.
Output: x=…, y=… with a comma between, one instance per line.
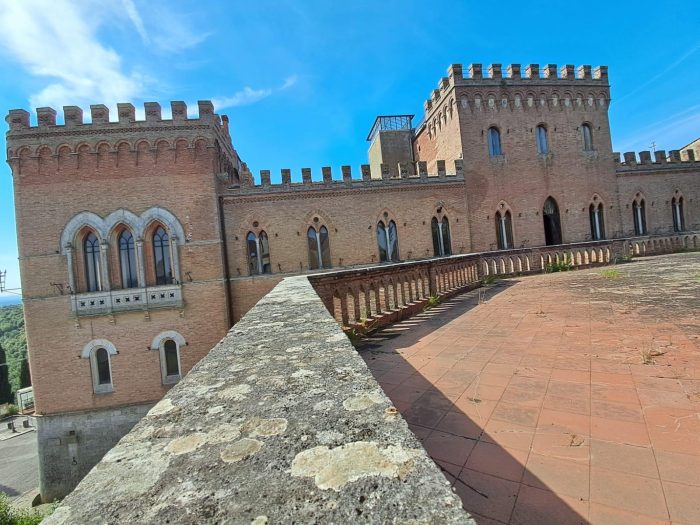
x=560, y=398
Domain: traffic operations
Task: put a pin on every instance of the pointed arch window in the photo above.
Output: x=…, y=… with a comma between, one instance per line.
x=388, y=242
x=127, y=260
x=442, y=244
x=258, y=253
x=504, y=230
x=319, y=248
x=678, y=217
x=640, y=217
x=595, y=212
x=91, y=248
x=587, y=136
x=552, y=223
x=542, y=140
x=494, y=140
x=161, y=256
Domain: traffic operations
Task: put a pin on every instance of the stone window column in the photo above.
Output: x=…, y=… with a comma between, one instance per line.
x=105, y=284
x=140, y=263
x=441, y=242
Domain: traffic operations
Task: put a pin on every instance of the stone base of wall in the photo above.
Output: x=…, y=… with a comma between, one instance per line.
x=71, y=444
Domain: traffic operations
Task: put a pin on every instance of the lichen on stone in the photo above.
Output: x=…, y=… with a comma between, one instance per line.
x=240, y=450
x=334, y=468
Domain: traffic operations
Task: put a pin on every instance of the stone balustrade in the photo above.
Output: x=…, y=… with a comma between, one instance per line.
x=368, y=298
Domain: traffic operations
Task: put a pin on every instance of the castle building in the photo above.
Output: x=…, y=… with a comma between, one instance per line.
x=142, y=242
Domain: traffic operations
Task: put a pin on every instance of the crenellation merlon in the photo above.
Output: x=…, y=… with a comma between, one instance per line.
x=20, y=120
x=643, y=159
x=407, y=172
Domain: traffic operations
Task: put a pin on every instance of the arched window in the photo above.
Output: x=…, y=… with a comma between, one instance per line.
x=442, y=245
x=504, y=230
x=595, y=212
x=640, y=217
x=161, y=256
x=102, y=369
x=542, y=140
x=678, y=218
x=319, y=248
x=170, y=361
x=91, y=248
x=258, y=253
x=587, y=136
x=552, y=223
x=387, y=241
x=127, y=260
x=494, y=139
x=99, y=352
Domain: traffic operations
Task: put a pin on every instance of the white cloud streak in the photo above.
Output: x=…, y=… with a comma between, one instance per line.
x=56, y=39
x=136, y=19
x=248, y=95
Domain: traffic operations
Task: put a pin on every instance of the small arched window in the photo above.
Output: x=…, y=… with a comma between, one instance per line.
x=127, y=260
x=494, y=140
x=504, y=230
x=587, y=136
x=678, y=218
x=595, y=212
x=91, y=248
x=101, y=370
x=640, y=217
x=442, y=245
x=258, y=253
x=319, y=248
x=170, y=362
x=161, y=256
x=387, y=241
x=542, y=140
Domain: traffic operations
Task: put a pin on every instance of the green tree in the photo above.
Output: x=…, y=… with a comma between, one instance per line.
x=5, y=388
x=25, y=379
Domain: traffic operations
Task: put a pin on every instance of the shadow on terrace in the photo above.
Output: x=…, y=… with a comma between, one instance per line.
x=448, y=391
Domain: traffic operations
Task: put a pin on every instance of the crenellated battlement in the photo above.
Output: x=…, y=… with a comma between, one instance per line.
x=408, y=173
x=567, y=77
x=630, y=160
x=104, y=142
x=19, y=119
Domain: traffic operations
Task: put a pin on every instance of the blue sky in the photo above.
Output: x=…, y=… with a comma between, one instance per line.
x=303, y=81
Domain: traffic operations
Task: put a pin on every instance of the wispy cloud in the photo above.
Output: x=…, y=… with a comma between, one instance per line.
x=671, y=132
x=136, y=19
x=248, y=95
x=289, y=82
x=686, y=54
x=55, y=39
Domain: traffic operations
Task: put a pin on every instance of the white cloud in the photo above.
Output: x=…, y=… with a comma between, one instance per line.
x=671, y=132
x=248, y=95
x=289, y=82
x=135, y=18
x=244, y=97
x=56, y=39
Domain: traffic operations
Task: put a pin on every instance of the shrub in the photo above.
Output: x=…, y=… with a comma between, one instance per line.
x=489, y=279
x=561, y=266
x=610, y=273
x=12, y=410
x=12, y=516
x=433, y=300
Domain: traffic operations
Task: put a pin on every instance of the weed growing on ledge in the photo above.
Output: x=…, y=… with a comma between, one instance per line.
x=622, y=259
x=562, y=266
x=13, y=516
x=433, y=300
x=489, y=279
x=610, y=273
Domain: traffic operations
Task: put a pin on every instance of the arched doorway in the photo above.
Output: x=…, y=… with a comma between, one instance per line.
x=552, y=223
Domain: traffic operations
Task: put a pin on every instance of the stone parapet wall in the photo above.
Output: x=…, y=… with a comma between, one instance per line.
x=281, y=423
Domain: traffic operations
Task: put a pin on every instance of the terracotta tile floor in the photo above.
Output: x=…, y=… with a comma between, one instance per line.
x=563, y=398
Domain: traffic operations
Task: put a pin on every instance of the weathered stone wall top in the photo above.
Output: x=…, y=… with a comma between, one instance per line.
x=281, y=423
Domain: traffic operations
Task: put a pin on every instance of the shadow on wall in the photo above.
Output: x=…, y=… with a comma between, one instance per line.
x=486, y=466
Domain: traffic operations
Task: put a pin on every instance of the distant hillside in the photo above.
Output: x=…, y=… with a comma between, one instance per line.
x=13, y=341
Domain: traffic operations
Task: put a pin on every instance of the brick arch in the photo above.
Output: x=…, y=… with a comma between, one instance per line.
x=246, y=225
x=324, y=219
x=98, y=343
x=80, y=221
x=165, y=217
x=125, y=217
